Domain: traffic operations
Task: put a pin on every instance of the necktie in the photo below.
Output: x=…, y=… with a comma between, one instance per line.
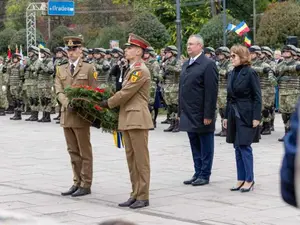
x=191, y=61
x=72, y=69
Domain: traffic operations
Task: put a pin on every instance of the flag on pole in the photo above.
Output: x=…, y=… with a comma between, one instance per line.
x=230, y=27
x=241, y=28
x=21, y=53
x=118, y=139
x=247, y=41
x=9, y=53
x=17, y=49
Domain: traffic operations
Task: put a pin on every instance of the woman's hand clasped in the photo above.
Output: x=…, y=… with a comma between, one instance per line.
x=255, y=123
x=225, y=123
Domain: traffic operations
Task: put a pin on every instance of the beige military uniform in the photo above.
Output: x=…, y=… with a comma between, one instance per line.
x=76, y=129
x=135, y=122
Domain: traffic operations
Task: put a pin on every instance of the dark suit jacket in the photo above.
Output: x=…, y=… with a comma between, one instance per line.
x=243, y=106
x=198, y=91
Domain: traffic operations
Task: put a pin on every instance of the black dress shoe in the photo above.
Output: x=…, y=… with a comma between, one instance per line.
x=237, y=188
x=128, y=203
x=248, y=189
x=190, y=181
x=81, y=192
x=200, y=182
x=70, y=191
x=139, y=204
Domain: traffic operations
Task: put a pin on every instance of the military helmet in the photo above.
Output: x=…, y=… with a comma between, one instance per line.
x=172, y=48
x=117, y=50
x=91, y=51
x=45, y=50
x=34, y=49
x=17, y=55
x=255, y=48
x=210, y=50
x=290, y=48
x=298, y=52
x=108, y=51
x=85, y=51
x=151, y=51
x=99, y=51
x=223, y=50
x=62, y=50
x=267, y=50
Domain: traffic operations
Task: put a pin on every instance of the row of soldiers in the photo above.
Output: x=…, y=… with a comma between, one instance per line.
x=27, y=83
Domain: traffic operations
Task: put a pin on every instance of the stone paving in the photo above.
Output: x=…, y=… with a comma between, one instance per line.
x=34, y=169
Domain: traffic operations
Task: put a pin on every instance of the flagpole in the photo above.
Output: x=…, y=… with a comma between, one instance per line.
x=254, y=21
x=224, y=23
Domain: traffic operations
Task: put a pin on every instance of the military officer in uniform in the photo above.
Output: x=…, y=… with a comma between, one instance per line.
x=268, y=81
x=76, y=129
x=135, y=120
x=45, y=71
x=16, y=77
x=289, y=85
x=30, y=83
x=171, y=68
x=155, y=94
x=224, y=67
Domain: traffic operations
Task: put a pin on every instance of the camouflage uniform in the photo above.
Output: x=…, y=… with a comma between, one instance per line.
x=30, y=84
x=224, y=68
x=289, y=86
x=102, y=67
x=210, y=52
x=268, y=81
x=45, y=70
x=155, y=86
x=16, y=77
x=267, y=57
x=3, y=89
x=171, y=68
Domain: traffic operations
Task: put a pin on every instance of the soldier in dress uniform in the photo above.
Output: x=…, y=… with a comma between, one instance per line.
x=267, y=57
x=16, y=78
x=45, y=71
x=76, y=129
x=61, y=57
x=210, y=53
x=135, y=120
x=171, y=68
x=30, y=83
x=289, y=84
x=268, y=81
x=155, y=94
x=3, y=88
x=102, y=67
x=224, y=67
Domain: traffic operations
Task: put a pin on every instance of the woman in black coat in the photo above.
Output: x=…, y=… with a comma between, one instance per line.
x=243, y=114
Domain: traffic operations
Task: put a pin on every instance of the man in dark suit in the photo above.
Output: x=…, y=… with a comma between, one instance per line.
x=198, y=90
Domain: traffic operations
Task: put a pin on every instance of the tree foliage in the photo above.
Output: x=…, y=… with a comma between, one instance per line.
x=280, y=20
x=212, y=32
x=5, y=37
x=19, y=38
x=57, y=35
x=148, y=26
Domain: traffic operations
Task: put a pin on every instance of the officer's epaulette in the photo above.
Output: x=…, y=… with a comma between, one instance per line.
x=137, y=65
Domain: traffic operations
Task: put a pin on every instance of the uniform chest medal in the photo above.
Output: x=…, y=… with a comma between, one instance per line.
x=135, y=76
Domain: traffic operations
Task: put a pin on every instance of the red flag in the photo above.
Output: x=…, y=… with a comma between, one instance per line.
x=9, y=53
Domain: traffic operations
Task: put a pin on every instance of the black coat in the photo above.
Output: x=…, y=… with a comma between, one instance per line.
x=243, y=106
x=198, y=91
x=116, y=71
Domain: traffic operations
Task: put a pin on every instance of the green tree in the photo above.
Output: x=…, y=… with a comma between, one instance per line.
x=20, y=39
x=57, y=35
x=148, y=26
x=212, y=32
x=5, y=37
x=280, y=20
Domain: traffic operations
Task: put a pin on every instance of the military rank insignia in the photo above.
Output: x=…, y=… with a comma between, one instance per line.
x=135, y=76
x=95, y=75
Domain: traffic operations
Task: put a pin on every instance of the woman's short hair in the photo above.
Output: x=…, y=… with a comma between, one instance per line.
x=243, y=53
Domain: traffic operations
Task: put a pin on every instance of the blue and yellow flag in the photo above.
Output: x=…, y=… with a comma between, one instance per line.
x=118, y=139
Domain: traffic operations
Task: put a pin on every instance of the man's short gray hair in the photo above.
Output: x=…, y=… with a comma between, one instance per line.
x=199, y=38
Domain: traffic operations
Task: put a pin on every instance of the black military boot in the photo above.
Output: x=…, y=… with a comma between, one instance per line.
x=42, y=119
x=27, y=111
x=58, y=117
x=47, y=118
x=282, y=139
x=10, y=109
x=176, y=126
x=14, y=116
x=272, y=125
x=171, y=127
x=17, y=115
x=30, y=118
x=35, y=116
x=52, y=110
x=266, y=128
x=2, y=112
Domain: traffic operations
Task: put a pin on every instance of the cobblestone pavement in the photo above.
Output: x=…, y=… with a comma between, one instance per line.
x=35, y=168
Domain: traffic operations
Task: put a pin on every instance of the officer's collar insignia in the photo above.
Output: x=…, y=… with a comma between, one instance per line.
x=138, y=64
